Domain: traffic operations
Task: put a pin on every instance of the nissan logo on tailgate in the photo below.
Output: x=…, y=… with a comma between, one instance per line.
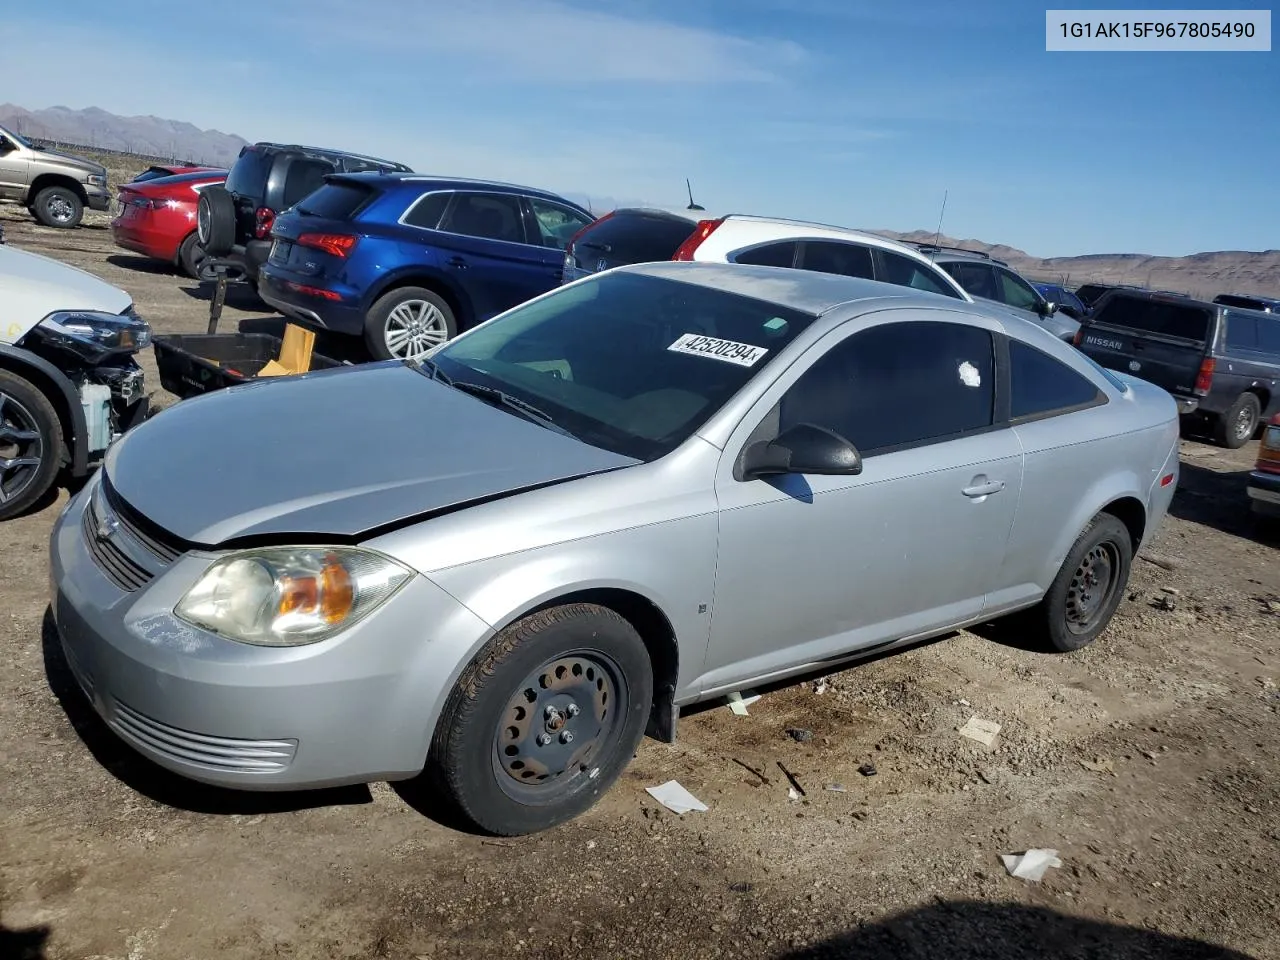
x=1100, y=342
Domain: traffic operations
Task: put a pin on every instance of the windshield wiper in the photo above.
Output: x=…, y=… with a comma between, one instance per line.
x=431, y=370
x=494, y=395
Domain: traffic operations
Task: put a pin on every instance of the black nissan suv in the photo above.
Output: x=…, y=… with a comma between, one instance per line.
x=234, y=221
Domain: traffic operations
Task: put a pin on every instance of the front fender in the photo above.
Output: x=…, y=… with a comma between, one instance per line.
x=64, y=397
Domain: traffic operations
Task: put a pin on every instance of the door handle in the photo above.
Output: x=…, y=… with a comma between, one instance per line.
x=457, y=262
x=983, y=489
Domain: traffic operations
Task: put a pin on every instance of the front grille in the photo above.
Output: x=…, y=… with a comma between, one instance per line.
x=119, y=568
x=163, y=546
x=216, y=753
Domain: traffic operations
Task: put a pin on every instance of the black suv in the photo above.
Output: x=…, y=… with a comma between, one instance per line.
x=1246, y=302
x=234, y=221
x=1220, y=363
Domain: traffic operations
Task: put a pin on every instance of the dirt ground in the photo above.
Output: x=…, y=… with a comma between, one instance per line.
x=1150, y=761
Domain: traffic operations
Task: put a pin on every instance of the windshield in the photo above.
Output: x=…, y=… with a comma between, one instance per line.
x=18, y=138
x=633, y=364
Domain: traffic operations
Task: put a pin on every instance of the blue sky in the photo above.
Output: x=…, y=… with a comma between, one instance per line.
x=844, y=111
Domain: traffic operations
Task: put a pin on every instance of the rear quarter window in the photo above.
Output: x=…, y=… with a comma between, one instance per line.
x=634, y=237
x=1156, y=316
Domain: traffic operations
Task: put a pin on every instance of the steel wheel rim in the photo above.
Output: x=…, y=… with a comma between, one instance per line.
x=557, y=725
x=1092, y=587
x=1244, y=424
x=21, y=448
x=60, y=209
x=413, y=327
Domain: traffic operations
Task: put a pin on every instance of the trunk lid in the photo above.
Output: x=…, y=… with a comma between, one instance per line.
x=1162, y=340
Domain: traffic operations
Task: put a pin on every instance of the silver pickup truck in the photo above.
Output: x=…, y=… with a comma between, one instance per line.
x=55, y=187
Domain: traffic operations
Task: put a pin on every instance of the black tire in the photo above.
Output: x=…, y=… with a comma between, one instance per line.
x=25, y=410
x=485, y=732
x=1072, y=615
x=216, y=220
x=58, y=207
x=1237, y=426
x=435, y=314
x=192, y=259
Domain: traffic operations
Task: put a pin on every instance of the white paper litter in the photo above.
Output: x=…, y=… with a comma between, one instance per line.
x=1030, y=865
x=675, y=797
x=738, y=703
x=984, y=731
x=791, y=794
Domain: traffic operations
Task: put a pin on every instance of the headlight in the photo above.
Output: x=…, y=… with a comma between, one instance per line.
x=288, y=596
x=98, y=180
x=93, y=334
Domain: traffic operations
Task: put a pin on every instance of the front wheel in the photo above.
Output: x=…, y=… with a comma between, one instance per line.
x=30, y=444
x=1089, y=586
x=1237, y=426
x=544, y=719
x=58, y=207
x=406, y=323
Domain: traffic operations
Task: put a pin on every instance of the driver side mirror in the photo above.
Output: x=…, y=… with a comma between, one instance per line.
x=1048, y=308
x=804, y=448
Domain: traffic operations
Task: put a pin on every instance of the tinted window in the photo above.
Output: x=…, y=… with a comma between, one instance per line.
x=248, y=176
x=905, y=272
x=633, y=238
x=1269, y=335
x=1039, y=384
x=898, y=384
x=1246, y=303
x=976, y=279
x=303, y=175
x=1091, y=292
x=770, y=255
x=556, y=222
x=336, y=201
x=1155, y=316
x=493, y=216
x=846, y=259
x=1016, y=292
x=1242, y=331
x=629, y=363
x=428, y=210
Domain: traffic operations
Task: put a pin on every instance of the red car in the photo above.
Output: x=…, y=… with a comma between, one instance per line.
x=158, y=218
x=155, y=172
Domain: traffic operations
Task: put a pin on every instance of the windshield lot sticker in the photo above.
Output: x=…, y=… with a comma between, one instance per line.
x=969, y=375
x=743, y=354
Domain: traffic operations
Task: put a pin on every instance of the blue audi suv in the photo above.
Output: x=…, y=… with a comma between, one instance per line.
x=408, y=261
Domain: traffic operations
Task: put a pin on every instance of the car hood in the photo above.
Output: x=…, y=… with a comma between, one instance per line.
x=34, y=287
x=336, y=453
x=71, y=160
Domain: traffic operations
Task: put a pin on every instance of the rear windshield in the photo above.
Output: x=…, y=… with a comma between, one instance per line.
x=634, y=237
x=1245, y=303
x=336, y=200
x=1091, y=291
x=248, y=177
x=1156, y=316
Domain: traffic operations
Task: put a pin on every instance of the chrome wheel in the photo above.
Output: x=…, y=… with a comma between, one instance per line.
x=1246, y=423
x=21, y=448
x=414, y=327
x=1092, y=587
x=60, y=209
x=202, y=222
x=556, y=726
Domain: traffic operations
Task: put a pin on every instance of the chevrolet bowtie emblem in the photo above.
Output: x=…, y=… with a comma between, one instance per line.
x=107, y=526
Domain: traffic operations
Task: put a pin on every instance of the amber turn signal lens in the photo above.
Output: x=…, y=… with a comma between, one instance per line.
x=330, y=595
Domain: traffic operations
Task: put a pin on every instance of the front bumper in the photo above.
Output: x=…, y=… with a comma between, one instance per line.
x=1264, y=493
x=354, y=708
x=97, y=198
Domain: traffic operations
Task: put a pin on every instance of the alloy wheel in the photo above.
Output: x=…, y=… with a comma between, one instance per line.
x=414, y=327
x=60, y=209
x=21, y=448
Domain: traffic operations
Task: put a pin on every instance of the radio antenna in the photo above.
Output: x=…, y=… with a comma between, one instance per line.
x=692, y=205
x=937, y=237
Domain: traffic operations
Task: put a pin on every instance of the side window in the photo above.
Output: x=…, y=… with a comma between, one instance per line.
x=303, y=176
x=1016, y=292
x=556, y=223
x=769, y=255
x=1242, y=331
x=846, y=259
x=427, y=210
x=898, y=384
x=977, y=279
x=905, y=272
x=490, y=216
x=1269, y=337
x=1039, y=385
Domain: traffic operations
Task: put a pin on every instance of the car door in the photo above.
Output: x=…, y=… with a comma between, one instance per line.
x=485, y=248
x=14, y=167
x=1015, y=292
x=551, y=226
x=811, y=568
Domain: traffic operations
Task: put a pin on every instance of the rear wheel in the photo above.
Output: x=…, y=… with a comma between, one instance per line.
x=1237, y=426
x=1089, y=586
x=543, y=721
x=58, y=207
x=405, y=323
x=193, y=260
x=30, y=444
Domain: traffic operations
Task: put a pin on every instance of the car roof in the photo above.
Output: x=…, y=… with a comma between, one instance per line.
x=804, y=290
x=326, y=152
x=427, y=182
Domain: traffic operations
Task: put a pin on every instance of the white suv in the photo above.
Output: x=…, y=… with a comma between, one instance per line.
x=636, y=235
